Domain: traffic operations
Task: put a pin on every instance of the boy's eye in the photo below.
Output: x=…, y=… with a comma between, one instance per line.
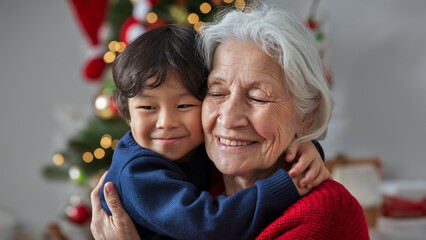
x=185, y=105
x=147, y=107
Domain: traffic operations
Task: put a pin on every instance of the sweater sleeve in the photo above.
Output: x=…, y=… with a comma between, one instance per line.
x=157, y=196
x=319, y=148
x=328, y=212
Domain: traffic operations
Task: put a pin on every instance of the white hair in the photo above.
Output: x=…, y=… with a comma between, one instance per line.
x=284, y=38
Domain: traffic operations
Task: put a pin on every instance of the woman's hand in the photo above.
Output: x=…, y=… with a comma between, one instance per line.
x=306, y=157
x=119, y=225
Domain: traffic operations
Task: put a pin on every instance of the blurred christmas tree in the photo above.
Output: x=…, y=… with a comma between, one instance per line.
x=109, y=25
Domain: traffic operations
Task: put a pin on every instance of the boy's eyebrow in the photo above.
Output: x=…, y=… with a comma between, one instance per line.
x=144, y=95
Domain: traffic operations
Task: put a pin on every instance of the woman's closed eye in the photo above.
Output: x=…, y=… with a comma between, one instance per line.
x=258, y=100
x=215, y=94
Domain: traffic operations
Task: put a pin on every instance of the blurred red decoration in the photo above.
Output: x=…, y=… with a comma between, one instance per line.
x=93, y=69
x=398, y=206
x=79, y=214
x=90, y=15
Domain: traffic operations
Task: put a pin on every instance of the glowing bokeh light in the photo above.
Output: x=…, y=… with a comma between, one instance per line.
x=74, y=173
x=109, y=57
x=87, y=157
x=205, y=8
x=114, y=144
x=193, y=18
x=99, y=153
x=151, y=17
x=240, y=4
x=102, y=102
x=198, y=25
x=106, y=141
x=112, y=46
x=122, y=46
x=58, y=159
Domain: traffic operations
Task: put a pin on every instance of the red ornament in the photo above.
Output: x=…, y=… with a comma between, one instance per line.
x=90, y=14
x=79, y=214
x=93, y=69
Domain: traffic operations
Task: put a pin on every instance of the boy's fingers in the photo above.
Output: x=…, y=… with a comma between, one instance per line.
x=291, y=153
x=299, y=166
x=113, y=200
x=319, y=179
x=311, y=174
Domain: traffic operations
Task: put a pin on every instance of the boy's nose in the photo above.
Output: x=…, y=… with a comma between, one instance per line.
x=167, y=120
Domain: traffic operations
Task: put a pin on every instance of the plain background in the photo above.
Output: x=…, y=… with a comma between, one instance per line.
x=378, y=58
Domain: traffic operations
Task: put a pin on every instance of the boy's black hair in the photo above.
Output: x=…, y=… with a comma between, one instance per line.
x=156, y=53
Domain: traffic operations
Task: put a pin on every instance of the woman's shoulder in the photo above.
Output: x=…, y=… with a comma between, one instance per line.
x=329, y=211
x=331, y=192
x=331, y=200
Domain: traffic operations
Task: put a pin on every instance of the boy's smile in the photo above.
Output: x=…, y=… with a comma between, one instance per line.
x=167, y=119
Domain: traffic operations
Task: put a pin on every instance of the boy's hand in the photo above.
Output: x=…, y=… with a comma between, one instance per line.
x=306, y=157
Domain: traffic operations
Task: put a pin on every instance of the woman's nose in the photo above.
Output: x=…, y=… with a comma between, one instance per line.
x=233, y=113
x=167, y=119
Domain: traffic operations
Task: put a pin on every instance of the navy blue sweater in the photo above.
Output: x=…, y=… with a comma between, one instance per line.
x=165, y=199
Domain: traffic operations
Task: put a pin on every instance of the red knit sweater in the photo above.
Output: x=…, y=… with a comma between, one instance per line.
x=328, y=212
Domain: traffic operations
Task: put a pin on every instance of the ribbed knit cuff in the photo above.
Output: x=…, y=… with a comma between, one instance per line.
x=281, y=190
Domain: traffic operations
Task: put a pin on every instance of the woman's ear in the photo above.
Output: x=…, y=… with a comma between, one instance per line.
x=307, y=121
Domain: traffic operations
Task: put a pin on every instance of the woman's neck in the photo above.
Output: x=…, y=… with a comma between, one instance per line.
x=235, y=183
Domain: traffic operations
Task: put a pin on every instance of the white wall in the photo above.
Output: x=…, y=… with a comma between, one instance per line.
x=378, y=56
x=378, y=53
x=41, y=52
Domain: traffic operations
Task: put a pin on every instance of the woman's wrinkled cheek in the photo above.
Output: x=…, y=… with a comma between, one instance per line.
x=280, y=129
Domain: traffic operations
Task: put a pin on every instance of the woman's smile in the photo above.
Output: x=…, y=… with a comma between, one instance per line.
x=236, y=143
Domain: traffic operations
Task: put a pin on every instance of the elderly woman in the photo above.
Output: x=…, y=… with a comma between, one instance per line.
x=266, y=90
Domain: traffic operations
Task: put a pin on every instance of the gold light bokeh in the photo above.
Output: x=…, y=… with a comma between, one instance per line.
x=114, y=144
x=99, y=153
x=151, y=17
x=240, y=4
x=122, y=47
x=106, y=141
x=109, y=57
x=228, y=1
x=112, y=46
x=87, y=157
x=193, y=18
x=198, y=25
x=58, y=159
x=205, y=8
